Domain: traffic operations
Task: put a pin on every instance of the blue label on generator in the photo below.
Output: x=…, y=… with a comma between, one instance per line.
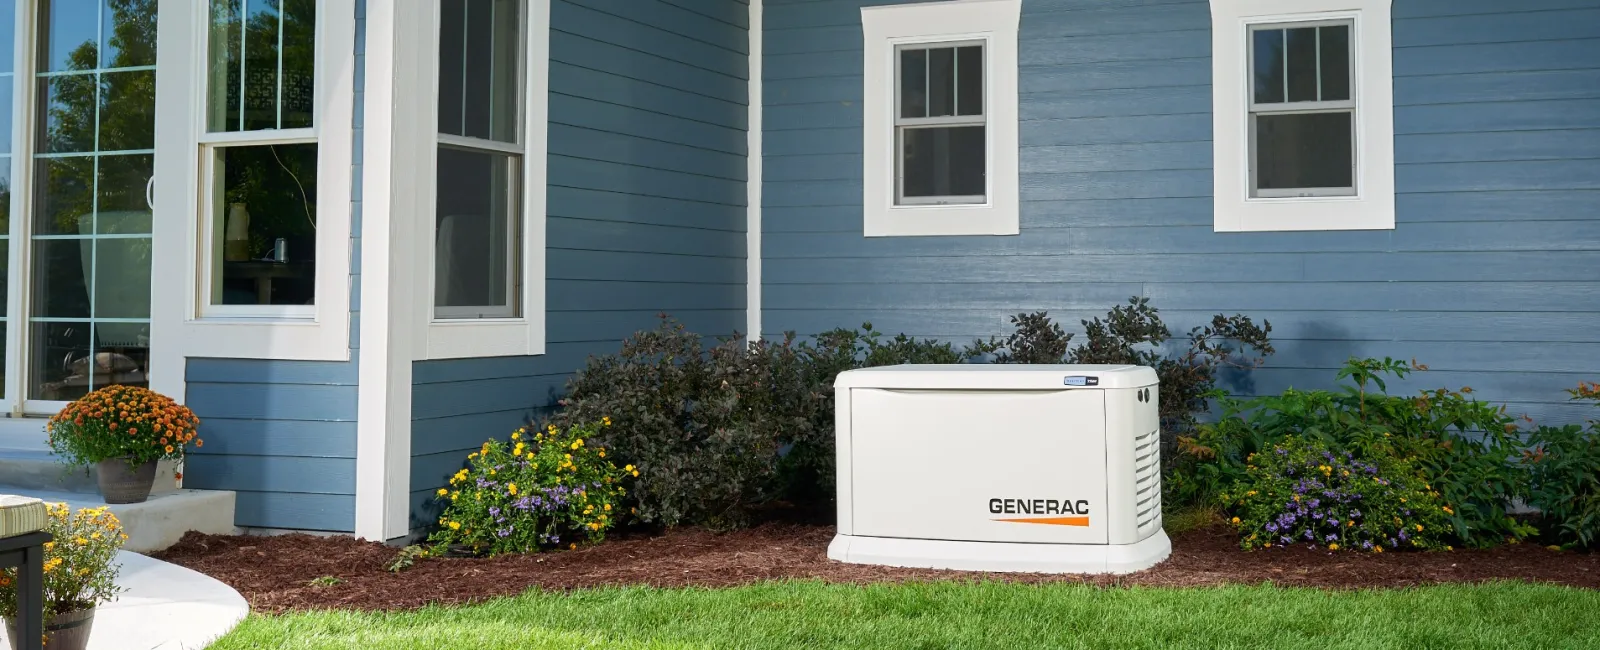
x=1081, y=381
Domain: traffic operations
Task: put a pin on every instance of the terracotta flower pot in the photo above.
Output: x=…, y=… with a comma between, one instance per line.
x=69, y=631
x=122, y=484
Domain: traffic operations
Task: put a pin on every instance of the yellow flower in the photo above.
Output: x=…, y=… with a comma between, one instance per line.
x=635, y=472
x=453, y=495
x=1377, y=549
x=455, y=525
x=472, y=455
x=1250, y=493
x=602, y=453
x=443, y=492
x=1333, y=547
x=608, y=507
x=573, y=546
x=605, y=421
x=1419, y=528
x=491, y=471
x=516, y=435
x=628, y=468
x=1236, y=520
x=1350, y=523
x=551, y=428
x=1448, y=511
x=511, y=489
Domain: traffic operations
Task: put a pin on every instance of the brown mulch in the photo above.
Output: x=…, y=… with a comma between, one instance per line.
x=275, y=573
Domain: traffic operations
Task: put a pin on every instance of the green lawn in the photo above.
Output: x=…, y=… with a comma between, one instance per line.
x=951, y=615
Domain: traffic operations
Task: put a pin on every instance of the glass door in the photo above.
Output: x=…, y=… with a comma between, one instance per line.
x=87, y=221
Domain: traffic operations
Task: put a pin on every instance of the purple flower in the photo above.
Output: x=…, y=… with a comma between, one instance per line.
x=1272, y=527
x=1355, y=514
x=1402, y=535
x=1284, y=540
x=1330, y=537
x=1366, y=545
x=1316, y=515
x=1315, y=502
x=1309, y=535
x=494, y=512
x=1282, y=452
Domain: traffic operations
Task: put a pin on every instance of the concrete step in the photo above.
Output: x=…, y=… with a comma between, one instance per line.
x=158, y=522
x=26, y=462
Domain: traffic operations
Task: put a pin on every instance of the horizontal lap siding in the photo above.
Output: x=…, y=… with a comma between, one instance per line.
x=646, y=213
x=282, y=434
x=1487, y=276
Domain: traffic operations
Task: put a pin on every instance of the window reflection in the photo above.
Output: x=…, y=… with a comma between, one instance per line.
x=89, y=299
x=262, y=64
x=265, y=225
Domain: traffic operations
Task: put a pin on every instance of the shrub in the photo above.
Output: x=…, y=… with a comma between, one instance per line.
x=79, y=567
x=553, y=488
x=1464, y=448
x=1564, y=476
x=118, y=421
x=807, y=467
x=1300, y=492
x=1135, y=334
x=700, y=427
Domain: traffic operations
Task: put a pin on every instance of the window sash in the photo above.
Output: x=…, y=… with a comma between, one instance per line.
x=1250, y=60
x=515, y=223
x=211, y=235
x=900, y=198
x=955, y=80
x=1303, y=192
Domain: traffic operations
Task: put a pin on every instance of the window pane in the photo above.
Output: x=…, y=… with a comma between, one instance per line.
x=64, y=196
x=477, y=255
x=480, y=68
x=969, y=80
x=61, y=272
x=942, y=82
x=69, y=107
x=127, y=110
x=1303, y=64
x=7, y=87
x=255, y=84
x=299, y=63
x=1267, y=67
x=121, y=206
x=264, y=220
x=1307, y=150
x=129, y=32
x=913, y=83
x=70, y=35
x=452, y=66
x=60, y=360
x=946, y=161
x=1335, y=62
x=122, y=277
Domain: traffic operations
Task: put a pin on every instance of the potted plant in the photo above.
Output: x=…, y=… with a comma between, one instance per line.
x=80, y=574
x=124, y=430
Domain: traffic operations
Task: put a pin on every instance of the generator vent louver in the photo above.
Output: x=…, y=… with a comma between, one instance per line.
x=1147, y=481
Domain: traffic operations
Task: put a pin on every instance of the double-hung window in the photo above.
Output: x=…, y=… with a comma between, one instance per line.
x=1302, y=113
x=940, y=125
x=469, y=166
x=1303, y=118
x=940, y=114
x=478, y=206
x=253, y=181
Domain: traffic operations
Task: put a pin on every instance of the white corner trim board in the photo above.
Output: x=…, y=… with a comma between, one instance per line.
x=753, y=181
x=995, y=23
x=1372, y=205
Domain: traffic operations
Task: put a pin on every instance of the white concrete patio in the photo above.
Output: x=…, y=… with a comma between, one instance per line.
x=165, y=607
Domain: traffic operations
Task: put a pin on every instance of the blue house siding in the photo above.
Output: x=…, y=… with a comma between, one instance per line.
x=282, y=434
x=1487, y=276
x=646, y=211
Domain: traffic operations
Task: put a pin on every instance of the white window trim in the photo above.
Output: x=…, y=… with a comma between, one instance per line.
x=415, y=177
x=1372, y=206
x=178, y=329
x=995, y=23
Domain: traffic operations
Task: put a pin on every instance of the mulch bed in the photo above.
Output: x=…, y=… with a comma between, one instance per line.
x=275, y=573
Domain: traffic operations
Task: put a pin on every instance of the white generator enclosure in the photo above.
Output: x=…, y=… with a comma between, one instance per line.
x=1053, y=469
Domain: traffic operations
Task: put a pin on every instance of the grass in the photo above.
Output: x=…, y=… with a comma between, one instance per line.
x=971, y=615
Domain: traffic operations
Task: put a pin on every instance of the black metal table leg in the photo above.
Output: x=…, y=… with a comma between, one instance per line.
x=26, y=552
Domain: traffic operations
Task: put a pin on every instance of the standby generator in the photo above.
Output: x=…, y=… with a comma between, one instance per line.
x=1041, y=468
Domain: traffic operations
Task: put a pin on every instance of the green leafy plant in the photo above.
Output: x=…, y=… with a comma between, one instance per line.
x=127, y=422
x=553, y=488
x=324, y=581
x=1300, y=492
x=80, y=568
x=1564, y=475
x=1463, y=448
x=407, y=558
